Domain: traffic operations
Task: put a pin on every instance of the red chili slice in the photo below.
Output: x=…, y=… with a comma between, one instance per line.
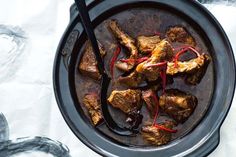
x=165, y=129
x=163, y=78
x=137, y=61
x=180, y=47
x=114, y=58
x=184, y=50
x=163, y=65
x=160, y=64
x=157, y=33
x=157, y=107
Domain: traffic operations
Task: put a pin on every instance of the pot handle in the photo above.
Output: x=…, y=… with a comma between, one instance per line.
x=68, y=47
x=72, y=37
x=210, y=145
x=73, y=11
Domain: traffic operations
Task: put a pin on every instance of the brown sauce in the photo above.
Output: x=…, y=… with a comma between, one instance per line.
x=145, y=21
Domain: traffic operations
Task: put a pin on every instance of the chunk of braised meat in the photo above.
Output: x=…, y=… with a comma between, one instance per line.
x=180, y=34
x=125, y=66
x=132, y=80
x=190, y=67
x=88, y=62
x=178, y=104
x=162, y=52
x=158, y=136
x=126, y=41
x=197, y=76
x=93, y=106
x=126, y=100
x=149, y=98
x=124, y=38
x=146, y=44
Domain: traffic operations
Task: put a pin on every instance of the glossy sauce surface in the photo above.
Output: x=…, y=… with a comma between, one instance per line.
x=146, y=21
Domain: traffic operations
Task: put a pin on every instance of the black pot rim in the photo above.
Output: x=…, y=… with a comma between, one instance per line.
x=209, y=141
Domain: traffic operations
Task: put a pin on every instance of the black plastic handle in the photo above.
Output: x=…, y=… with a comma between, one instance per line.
x=87, y=24
x=111, y=124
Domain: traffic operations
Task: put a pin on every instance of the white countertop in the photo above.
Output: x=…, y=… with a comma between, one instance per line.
x=26, y=92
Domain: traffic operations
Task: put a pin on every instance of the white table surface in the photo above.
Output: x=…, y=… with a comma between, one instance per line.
x=26, y=91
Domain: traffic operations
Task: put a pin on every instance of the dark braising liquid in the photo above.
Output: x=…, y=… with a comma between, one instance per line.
x=147, y=21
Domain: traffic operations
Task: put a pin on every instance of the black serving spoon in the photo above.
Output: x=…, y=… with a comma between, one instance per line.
x=86, y=22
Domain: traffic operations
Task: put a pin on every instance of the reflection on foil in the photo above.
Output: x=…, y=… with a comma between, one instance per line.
x=28, y=144
x=13, y=40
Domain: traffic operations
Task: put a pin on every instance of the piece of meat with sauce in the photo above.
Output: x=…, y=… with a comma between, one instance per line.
x=149, y=97
x=178, y=104
x=162, y=52
x=197, y=76
x=126, y=100
x=93, y=106
x=126, y=41
x=180, y=34
x=146, y=44
x=132, y=80
x=88, y=63
x=157, y=136
x=195, y=65
x=125, y=66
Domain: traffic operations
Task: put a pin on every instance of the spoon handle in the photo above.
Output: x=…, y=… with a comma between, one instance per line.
x=87, y=24
x=83, y=12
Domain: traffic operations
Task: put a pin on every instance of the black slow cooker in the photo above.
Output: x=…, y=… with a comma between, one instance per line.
x=203, y=137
